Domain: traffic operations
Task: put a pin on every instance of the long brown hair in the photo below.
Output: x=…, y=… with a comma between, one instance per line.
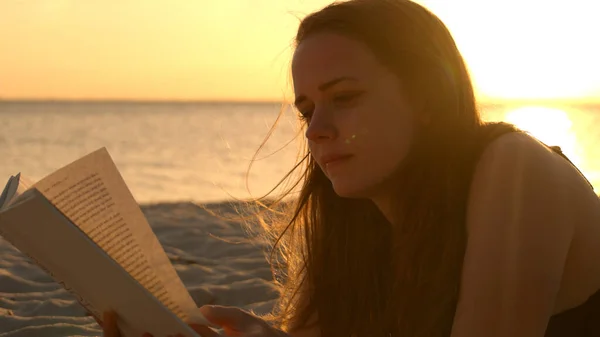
x=341, y=259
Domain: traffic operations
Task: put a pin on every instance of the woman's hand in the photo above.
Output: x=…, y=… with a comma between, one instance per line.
x=235, y=322
x=109, y=324
x=110, y=328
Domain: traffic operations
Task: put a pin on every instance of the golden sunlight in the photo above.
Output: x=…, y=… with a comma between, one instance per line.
x=550, y=125
x=516, y=49
x=240, y=49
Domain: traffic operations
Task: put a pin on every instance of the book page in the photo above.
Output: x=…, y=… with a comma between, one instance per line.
x=92, y=194
x=16, y=186
x=7, y=192
x=40, y=231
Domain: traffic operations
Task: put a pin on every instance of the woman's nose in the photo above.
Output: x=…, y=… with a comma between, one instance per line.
x=321, y=127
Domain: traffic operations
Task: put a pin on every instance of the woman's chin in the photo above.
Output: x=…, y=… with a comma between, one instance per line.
x=350, y=191
x=364, y=189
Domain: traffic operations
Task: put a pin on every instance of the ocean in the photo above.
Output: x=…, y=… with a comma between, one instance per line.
x=201, y=152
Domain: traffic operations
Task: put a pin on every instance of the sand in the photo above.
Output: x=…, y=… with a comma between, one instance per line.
x=213, y=257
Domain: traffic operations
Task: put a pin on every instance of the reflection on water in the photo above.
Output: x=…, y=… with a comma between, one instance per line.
x=555, y=126
x=202, y=151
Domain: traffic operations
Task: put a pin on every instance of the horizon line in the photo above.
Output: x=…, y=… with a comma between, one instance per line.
x=483, y=100
x=135, y=100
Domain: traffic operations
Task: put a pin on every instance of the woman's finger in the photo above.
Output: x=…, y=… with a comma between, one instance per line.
x=231, y=318
x=109, y=325
x=204, y=331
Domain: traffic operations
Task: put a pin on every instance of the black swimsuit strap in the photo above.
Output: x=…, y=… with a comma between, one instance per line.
x=558, y=150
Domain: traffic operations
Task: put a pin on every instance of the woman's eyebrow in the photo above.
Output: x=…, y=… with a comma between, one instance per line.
x=335, y=81
x=326, y=86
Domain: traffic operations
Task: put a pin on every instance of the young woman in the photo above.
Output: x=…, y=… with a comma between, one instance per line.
x=415, y=218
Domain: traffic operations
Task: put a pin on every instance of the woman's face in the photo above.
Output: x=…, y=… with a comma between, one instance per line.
x=360, y=125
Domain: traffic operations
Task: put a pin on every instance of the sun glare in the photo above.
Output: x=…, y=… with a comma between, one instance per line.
x=550, y=125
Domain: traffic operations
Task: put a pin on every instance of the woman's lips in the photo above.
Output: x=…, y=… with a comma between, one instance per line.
x=334, y=160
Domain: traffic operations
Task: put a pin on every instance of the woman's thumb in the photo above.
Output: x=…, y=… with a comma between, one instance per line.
x=231, y=318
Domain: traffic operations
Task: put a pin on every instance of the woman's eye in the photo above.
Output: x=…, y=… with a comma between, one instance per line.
x=304, y=115
x=346, y=97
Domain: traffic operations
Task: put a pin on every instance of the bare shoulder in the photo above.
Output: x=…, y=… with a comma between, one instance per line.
x=520, y=178
x=521, y=219
x=516, y=146
x=523, y=157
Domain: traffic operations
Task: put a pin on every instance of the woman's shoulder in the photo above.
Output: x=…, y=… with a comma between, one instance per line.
x=510, y=154
x=520, y=152
x=518, y=167
x=522, y=215
x=512, y=145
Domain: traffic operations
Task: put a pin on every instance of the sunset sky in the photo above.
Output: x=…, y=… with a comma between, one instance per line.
x=240, y=49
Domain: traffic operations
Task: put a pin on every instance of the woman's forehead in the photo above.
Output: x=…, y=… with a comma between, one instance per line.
x=326, y=56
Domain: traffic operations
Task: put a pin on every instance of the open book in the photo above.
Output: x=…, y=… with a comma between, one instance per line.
x=82, y=225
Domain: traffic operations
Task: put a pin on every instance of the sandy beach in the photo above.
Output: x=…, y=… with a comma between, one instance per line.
x=213, y=257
